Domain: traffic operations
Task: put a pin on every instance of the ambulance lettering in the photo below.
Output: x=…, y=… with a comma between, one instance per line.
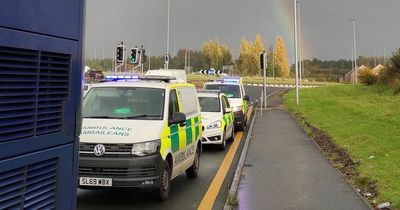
x=183, y=155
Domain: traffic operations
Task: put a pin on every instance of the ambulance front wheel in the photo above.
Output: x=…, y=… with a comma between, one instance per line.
x=162, y=192
x=193, y=171
x=222, y=146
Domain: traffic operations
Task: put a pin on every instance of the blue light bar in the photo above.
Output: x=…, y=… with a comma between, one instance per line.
x=231, y=80
x=122, y=78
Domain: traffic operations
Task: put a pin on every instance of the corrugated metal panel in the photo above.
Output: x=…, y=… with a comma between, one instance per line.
x=53, y=90
x=33, y=88
x=18, y=92
x=40, y=189
x=29, y=187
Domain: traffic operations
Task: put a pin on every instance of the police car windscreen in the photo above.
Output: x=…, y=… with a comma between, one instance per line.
x=209, y=104
x=231, y=91
x=124, y=103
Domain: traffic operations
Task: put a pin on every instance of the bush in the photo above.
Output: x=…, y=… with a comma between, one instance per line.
x=396, y=87
x=368, y=77
x=391, y=74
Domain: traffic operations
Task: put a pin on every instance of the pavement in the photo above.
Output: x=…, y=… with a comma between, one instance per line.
x=284, y=169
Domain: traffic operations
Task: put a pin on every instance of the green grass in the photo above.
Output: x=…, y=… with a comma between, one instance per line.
x=256, y=80
x=363, y=120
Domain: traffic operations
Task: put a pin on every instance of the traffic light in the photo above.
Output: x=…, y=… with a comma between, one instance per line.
x=134, y=55
x=143, y=54
x=262, y=60
x=120, y=54
x=166, y=58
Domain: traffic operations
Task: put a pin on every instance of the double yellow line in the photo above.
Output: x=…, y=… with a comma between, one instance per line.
x=208, y=200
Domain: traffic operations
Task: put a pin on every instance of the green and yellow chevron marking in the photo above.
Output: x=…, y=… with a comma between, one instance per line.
x=177, y=137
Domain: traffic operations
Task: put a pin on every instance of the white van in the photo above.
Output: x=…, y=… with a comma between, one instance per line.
x=139, y=134
x=180, y=75
x=233, y=88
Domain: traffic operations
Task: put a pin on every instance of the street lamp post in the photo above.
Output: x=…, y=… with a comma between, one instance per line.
x=167, y=51
x=300, y=44
x=352, y=65
x=355, y=49
x=295, y=52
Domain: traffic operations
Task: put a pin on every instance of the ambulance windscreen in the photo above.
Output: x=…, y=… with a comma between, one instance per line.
x=124, y=103
x=231, y=91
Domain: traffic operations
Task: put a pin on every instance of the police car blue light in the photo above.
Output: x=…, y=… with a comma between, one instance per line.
x=235, y=80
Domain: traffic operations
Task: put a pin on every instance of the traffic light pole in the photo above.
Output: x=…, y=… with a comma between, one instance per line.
x=263, y=66
x=264, y=81
x=140, y=62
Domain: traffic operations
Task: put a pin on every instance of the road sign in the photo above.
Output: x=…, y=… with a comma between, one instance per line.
x=210, y=71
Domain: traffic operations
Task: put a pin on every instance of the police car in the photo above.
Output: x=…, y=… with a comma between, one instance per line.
x=217, y=118
x=233, y=88
x=139, y=133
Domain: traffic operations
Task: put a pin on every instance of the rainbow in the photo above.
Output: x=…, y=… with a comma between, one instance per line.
x=284, y=12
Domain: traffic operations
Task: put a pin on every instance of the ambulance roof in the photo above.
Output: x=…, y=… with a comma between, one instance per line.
x=147, y=84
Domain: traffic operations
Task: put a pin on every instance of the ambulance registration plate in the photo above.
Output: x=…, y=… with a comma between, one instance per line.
x=90, y=181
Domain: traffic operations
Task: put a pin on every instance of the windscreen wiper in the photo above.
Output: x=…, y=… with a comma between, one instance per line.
x=141, y=116
x=100, y=117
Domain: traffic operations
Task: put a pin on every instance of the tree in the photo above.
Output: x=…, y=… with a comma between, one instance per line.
x=281, y=59
x=391, y=75
x=213, y=52
x=367, y=76
x=249, y=58
x=270, y=55
x=244, y=62
x=258, y=47
x=226, y=55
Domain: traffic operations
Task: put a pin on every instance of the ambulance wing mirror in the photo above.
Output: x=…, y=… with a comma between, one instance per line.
x=246, y=98
x=228, y=110
x=178, y=118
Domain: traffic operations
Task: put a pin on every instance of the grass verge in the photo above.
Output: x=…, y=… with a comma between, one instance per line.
x=256, y=80
x=362, y=121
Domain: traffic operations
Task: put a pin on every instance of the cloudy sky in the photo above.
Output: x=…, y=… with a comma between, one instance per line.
x=327, y=31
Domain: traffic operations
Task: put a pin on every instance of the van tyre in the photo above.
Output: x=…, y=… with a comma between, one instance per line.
x=232, y=134
x=193, y=171
x=240, y=127
x=162, y=192
x=222, y=146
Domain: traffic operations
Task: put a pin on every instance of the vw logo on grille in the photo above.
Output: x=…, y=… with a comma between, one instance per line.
x=99, y=150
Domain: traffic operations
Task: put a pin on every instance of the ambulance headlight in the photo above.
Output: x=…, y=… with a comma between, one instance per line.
x=146, y=148
x=216, y=124
x=237, y=108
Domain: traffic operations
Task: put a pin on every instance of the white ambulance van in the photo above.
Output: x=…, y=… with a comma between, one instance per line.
x=180, y=75
x=139, y=133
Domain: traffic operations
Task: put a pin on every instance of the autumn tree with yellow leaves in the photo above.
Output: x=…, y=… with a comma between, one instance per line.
x=249, y=58
x=216, y=54
x=281, y=60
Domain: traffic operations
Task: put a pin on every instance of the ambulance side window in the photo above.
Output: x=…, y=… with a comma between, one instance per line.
x=226, y=102
x=243, y=92
x=173, y=103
